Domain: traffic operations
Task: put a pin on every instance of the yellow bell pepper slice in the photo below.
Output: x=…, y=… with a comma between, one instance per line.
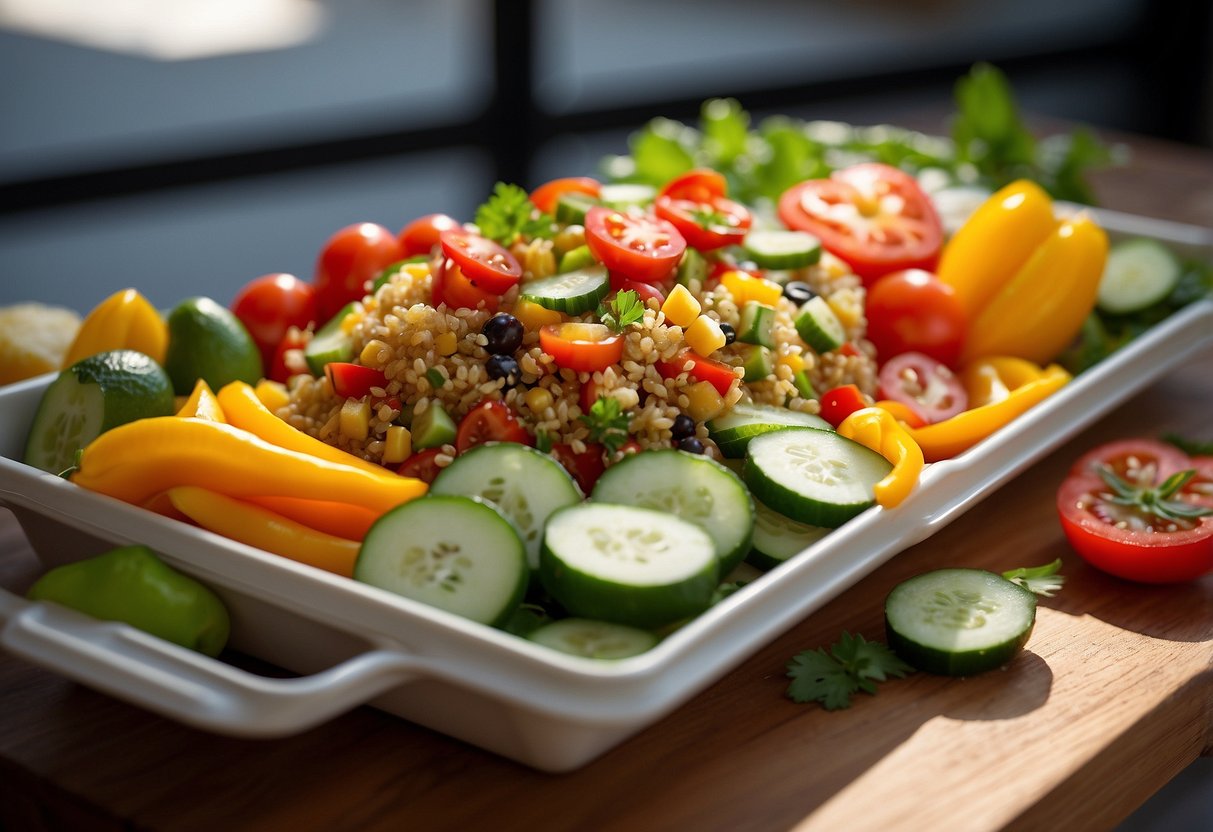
x=202, y=404
x=991, y=380
x=876, y=428
x=123, y=321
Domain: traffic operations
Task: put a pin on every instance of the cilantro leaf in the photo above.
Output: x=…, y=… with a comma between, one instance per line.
x=1042, y=580
x=509, y=214
x=868, y=659
x=852, y=664
x=608, y=423
x=625, y=310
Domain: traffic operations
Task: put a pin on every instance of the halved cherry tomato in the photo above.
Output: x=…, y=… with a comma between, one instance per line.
x=841, y=402
x=270, y=305
x=646, y=291
x=490, y=421
x=872, y=215
x=452, y=287
x=489, y=266
x=350, y=259
x=548, y=194
x=583, y=347
x=585, y=467
x=698, y=185
x=929, y=388
x=914, y=311
x=1199, y=489
x=421, y=466
x=643, y=248
x=421, y=235
x=353, y=381
x=281, y=367
x=708, y=224
x=1140, y=461
x=716, y=373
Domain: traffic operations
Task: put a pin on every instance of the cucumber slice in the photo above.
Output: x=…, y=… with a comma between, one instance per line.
x=576, y=258
x=691, y=486
x=777, y=538
x=432, y=428
x=594, y=639
x=573, y=293
x=813, y=476
x=330, y=343
x=756, y=361
x=455, y=553
x=1139, y=273
x=958, y=622
x=394, y=269
x=778, y=249
x=524, y=484
x=571, y=208
x=692, y=268
x=733, y=431
x=757, y=324
x=626, y=195
x=627, y=564
x=819, y=326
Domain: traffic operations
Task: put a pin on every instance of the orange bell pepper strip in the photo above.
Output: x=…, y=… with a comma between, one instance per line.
x=202, y=404
x=876, y=428
x=946, y=439
x=338, y=519
x=247, y=523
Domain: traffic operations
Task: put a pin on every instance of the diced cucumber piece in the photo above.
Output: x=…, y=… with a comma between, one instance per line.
x=692, y=268
x=819, y=326
x=330, y=343
x=804, y=385
x=958, y=622
x=573, y=293
x=576, y=258
x=571, y=208
x=594, y=639
x=777, y=538
x=778, y=249
x=628, y=565
x=1138, y=273
x=432, y=427
x=756, y=361
x=626, y=195
x=395, y=269
x=813, y=476
x=524, y=484
x=455, y=553
x=757, y=324
x=733, y=431
x=691, y=486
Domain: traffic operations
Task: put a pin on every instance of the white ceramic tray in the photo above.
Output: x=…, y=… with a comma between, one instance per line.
x=355, y=644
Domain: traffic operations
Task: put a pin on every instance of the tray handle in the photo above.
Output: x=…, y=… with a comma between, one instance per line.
x=187, y=686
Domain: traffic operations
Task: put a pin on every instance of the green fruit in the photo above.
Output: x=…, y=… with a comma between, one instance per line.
x=131, y=584
x=205, y=340
x=90, y=397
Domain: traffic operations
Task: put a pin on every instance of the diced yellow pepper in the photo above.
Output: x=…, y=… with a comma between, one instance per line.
x=705, y=401
x=355, y=419
x=705, y=336
x=397, y=444
x=745, y=287
x=794, y=360
x=447, y=343
x=534, y=316
x=272, y=394
x=681, y=308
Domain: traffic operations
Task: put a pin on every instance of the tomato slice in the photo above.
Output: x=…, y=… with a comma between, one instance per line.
x=1138, y=461
x=421, y=235
x=353, y=381
x=421, y=466
x=452, y=287
x=707, y=225
x=915, y=311
x=1199, y=489
x=582, y=347
x=872, y=215
x=585, y=467
x=486, y=264
x=490, y=421
x=643, y=248
x=1129, y=543
x=548, y=194
x=925, y=385
x=698, y=185
x=716, y=373
x=841, y=402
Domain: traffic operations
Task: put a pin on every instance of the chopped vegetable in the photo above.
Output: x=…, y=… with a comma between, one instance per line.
x=509, y=214
x=624, y=310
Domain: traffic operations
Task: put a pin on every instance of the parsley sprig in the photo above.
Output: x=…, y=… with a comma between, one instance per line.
x=852, y=664
x=625, y=309
x=1040, y=580
x=608, y=423
x=509, y=214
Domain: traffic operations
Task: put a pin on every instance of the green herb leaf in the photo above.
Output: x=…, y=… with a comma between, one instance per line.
x=868, y=659
x=543, y=442
x=608, y=423
x=1191, y=447
x=625, y=310
x=1156, y=500
x=509, y=214
x=852, y=664
x=1041, y=580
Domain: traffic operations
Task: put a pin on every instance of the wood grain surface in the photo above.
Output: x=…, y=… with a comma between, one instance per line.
x=1113, y=697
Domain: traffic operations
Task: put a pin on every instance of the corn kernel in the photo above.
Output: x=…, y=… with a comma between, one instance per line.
x=447, y=343
x=705, y=402
x=397, y=444
x=704, y=336
x=538, y=399
x=533, y=316
x=766, y=292
x=849, y=313
x=793, y=360
x=370, y=353
x=681, y=308
x=417, y=271
x=352, y=319
x=355, y=420
x=272, y=394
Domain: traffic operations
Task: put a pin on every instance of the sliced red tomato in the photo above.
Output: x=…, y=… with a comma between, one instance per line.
x=716, y=373
x=490, y=421
x=706, y=225
x=548, y=194
x=420, y=237
x=350, y=259
x=582, y=347
x=643, y=248
x=1128, y=542
x=422, y=466
x=841, y=402
x=872, y=215
x=270, y=305
x=488, y=265
x=1199, y=489
x=926, y=386
x=915, y=311
x=288, y=357
x=452, y=287
x=1140, y=461
x=585, y=467
x=353, y=381
x=698, y=185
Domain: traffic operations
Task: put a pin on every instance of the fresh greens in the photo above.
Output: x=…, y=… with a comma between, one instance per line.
x=852, y=664
x=1039, y=580
x=509, y=214
x=608, y=423
x=624, y=310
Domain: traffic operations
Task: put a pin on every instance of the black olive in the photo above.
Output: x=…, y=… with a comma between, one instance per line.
x=503, y=366
x=504, y=334
x=798, y=293
x=691, y=445
x=730, y=334
x=683, y=426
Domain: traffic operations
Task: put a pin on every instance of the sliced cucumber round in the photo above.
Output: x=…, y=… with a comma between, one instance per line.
x=455, y=553
x=573, y=293
x=571, y=208
x=626, y=195
x=775, y=248
x=958, y=622
x=690, y=486
x=733, y=431
x=1138, y=273
x=526, y=485
x=594, y=639
x=778, y=538
x=819, y=326
x=628, y=565
x=813, y=476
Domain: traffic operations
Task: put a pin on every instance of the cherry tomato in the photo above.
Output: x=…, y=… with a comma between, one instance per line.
x=698, y=185
x=270, y=305
x=489, y=266
x=841, y=402
x=872, y=215
x=490, y=421
x=585, y=467
x=1140, y=461
x=582, y=347
x=643, y=248
x=353, y=381
x=929, y=388
x=421, y=235
x=548, y=194
x=914, y=311
x=1128, y=542
x=288, y=358
x=716, y=373
x=452, y=287
x=706, y=225
x=350, y=259
x=622, y=283
x=421, y=465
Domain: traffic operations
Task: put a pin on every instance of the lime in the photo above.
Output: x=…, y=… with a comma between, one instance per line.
x=205, y=340
x=90, y=397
